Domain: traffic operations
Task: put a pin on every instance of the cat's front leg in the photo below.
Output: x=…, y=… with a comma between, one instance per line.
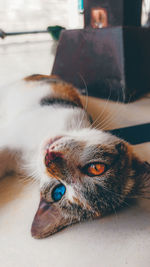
x=8, y=161
x=9, y=152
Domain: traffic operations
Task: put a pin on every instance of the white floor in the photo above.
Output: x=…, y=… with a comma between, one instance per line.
x=118, y=240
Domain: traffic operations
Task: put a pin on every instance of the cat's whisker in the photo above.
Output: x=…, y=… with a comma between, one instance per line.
x=86, y=91
x=102, y=112
x=27, y=179
x=86, y=98
x=31, y=170
x=31, y=177
x=113, y=118
x=105, y=123
x=105, y=119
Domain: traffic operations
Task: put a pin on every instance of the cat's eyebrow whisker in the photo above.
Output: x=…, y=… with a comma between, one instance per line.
x=25, y=179
x=108, y=117
x=105, y=123
x=33, y=178
x=102, y=112
x=86, y=98
x=123, y=107
x=116, y=104
x=108, y=120
x=100, y=115
x=86, y=91
x=29, y=165
x=34, y=174
x=27, y=168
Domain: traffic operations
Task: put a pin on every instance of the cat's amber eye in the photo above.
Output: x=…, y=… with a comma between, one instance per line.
x=95, y=169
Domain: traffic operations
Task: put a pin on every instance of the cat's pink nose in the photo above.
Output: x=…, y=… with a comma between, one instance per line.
x=52, y=156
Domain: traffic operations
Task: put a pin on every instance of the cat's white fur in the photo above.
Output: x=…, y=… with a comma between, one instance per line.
x=26, y=127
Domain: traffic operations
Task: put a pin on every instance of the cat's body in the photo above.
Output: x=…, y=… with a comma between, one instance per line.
x=45, y=133
x=26, y=122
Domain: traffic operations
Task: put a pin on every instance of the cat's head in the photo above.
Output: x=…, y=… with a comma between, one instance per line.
x=89, y=173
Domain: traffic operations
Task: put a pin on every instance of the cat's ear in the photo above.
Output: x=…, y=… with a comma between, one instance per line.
x=49, y=219
x=138, y=183
x=141, y=172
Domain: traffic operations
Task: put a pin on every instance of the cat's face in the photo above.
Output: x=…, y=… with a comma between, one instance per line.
x=92, y=173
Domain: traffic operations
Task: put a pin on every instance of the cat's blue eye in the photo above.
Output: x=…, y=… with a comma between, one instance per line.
x=58, y=192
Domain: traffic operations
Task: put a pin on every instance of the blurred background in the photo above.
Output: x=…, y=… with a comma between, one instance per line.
x=26, y=54
x=20, y=15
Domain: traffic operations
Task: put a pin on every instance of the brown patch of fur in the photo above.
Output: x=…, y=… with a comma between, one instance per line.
x=39, y=77
x=60, y=88
x=53, y=171
x=68, y=92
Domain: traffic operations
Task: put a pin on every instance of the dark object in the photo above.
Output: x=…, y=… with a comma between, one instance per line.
x=119, y=12
x=55, y=31
x=135, y=134
x=113, y=61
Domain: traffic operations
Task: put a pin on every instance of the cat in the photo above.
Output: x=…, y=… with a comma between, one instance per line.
x=83, y=172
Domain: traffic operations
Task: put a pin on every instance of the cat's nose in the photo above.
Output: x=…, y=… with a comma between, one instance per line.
x=52, y=156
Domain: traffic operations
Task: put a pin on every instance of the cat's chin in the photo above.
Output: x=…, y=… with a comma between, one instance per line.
x=48, y=220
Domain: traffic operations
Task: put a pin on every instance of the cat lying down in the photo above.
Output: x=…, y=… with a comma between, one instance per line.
x=84, y=173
